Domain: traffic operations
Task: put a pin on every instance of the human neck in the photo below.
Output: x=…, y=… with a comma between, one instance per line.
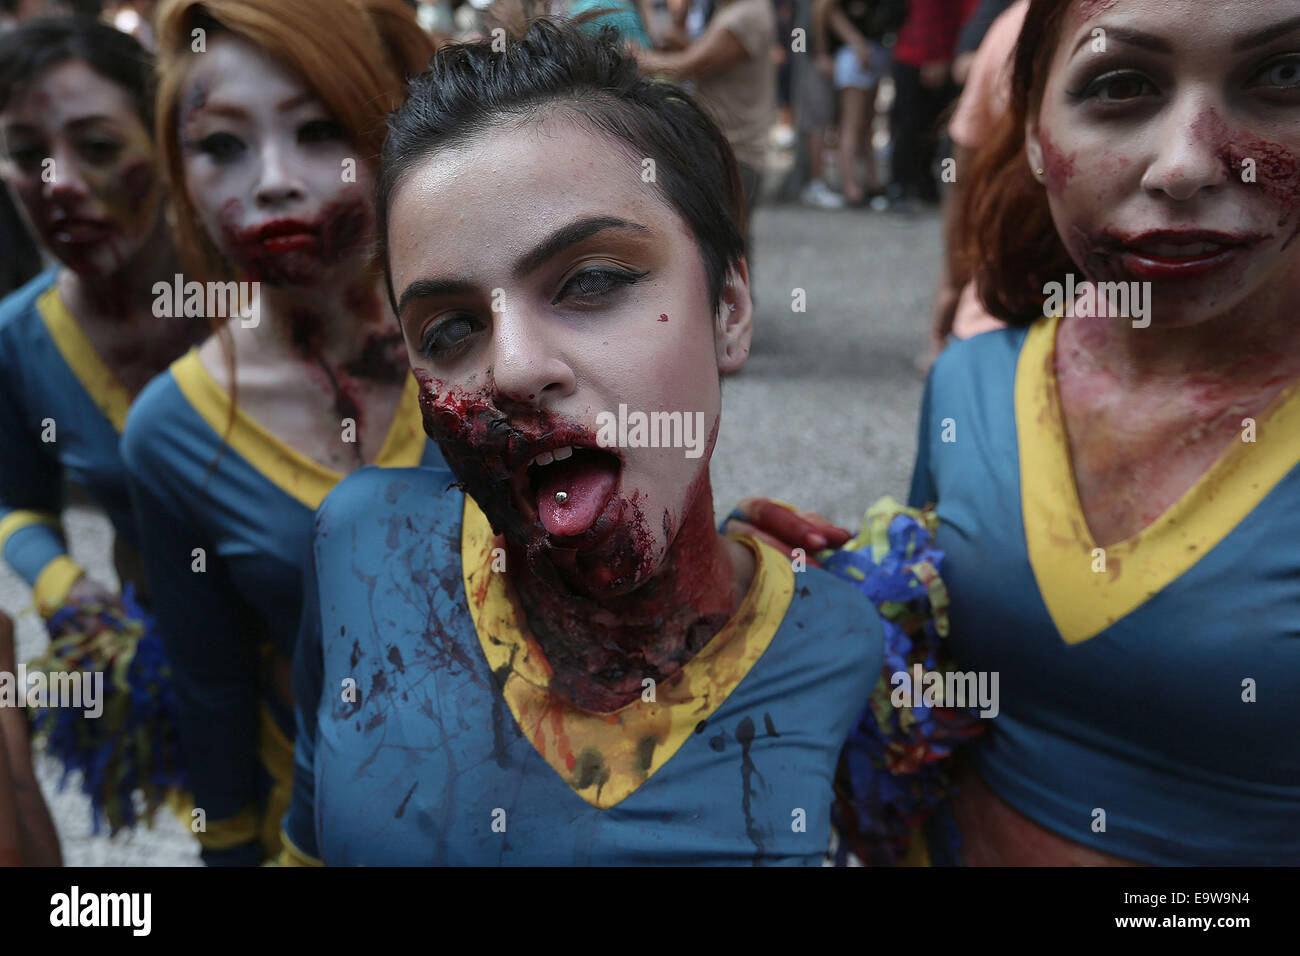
x=1245, y=347
x=601, y=649
x=128, y=292
x=331, y=321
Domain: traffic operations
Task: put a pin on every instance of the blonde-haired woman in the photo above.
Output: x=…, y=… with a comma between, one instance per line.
x=270, y=118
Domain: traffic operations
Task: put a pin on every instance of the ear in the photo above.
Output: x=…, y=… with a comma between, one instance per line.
x=1034, y=149
x=734, y=326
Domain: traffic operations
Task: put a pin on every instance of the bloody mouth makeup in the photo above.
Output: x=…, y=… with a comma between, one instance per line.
x=274, y=178
x=1171, y=152
x=594, y=538
x=289, y=251
x=80, y=164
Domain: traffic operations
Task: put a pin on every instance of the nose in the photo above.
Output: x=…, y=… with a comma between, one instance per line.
x=279, y=182
x=527, y=366
x=1190, y=155
x=61, y=178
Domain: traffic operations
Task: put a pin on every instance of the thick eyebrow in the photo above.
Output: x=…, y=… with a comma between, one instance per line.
x=1260, y=37
x=564, y=237
x=90, y=121
x=293, y=102
x=1146, y=41
x=570, y=235
x=77, y=123
x=427, y=288
x=229, y=110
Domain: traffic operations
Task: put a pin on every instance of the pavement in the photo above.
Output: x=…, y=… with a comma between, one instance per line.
x=822, y=415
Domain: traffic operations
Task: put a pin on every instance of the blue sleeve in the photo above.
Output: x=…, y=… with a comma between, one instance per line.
x=923, y=491
x=31, y=492
x=213, y=655
x=308, y=675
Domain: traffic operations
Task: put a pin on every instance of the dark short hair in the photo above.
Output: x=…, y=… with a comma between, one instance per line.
x=470, y=88
x=31, y=48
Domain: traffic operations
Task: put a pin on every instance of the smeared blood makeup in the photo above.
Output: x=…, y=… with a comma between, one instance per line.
x=294, y=251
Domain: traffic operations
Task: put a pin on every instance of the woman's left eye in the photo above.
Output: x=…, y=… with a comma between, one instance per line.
x=594, y=283
x=1283, y=74
x=100, y=151
x=320, y=131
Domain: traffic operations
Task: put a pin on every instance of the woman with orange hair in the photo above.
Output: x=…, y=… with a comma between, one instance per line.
x=270, y=118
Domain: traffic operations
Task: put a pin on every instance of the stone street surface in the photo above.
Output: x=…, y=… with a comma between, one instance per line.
x=823, y=415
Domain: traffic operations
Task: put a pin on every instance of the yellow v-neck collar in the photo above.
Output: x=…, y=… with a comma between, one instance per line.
x=100, y=382
x=604, y=758
x=1062, y=553
x=294, y=473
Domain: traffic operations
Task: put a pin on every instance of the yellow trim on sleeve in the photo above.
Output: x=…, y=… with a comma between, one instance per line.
x=290, y=855
x=604, y=758
x=99, y=381
x=16, y=520
x=230, y=832
x=1083, y=603
x=276, y=751
x=50, y=592
x=298, y=476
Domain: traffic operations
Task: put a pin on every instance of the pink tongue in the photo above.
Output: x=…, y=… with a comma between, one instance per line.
x=587, y=480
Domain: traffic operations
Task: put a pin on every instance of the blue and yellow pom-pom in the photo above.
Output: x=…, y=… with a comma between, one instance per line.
x=131, y=747
x=893, y=771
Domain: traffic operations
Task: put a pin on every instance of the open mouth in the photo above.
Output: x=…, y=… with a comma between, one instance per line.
x=571, y=487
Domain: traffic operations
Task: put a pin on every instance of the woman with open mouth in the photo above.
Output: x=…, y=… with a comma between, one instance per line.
x=270, y=117
x=1119, y=497
x=626, y=686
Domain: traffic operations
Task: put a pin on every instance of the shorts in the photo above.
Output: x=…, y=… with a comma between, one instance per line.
x=850, y=74
x=814, y=102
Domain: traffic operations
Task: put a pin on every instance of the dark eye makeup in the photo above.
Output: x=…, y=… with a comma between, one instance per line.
x=586, y=288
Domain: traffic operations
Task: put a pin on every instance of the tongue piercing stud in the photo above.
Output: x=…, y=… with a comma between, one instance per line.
x=561, y=497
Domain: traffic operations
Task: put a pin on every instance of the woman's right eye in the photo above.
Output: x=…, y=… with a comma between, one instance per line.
x=446, y=336
x=220, y=146
x=1120, y=86
x=27, y=158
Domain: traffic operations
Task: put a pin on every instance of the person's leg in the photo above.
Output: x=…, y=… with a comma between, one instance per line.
x=26, y=827
x=904, y=120
x=853, y=109
x=933, y=103
x=817, y=155
x=868, y=141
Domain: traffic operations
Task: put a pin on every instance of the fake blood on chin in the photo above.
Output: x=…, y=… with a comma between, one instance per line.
x=491, y=453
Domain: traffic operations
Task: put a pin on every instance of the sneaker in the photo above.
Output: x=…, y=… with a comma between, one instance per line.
x=821, y=196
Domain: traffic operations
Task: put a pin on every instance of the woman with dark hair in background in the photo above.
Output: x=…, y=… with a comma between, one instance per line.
x=83, y=338
x=77, y=343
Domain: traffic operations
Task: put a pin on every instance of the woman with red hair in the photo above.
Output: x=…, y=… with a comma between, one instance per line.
x=1117, y=474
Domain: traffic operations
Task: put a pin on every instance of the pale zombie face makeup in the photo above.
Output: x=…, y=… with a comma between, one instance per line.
x=1149, y=148
x=79, y=161
x=541, y=283
x=275, y=181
